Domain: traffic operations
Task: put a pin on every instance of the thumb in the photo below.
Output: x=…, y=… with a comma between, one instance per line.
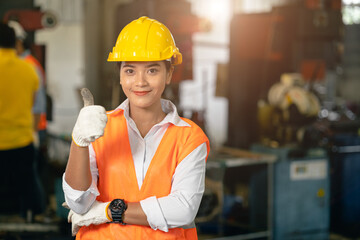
x=87, y=97
x=65, y=205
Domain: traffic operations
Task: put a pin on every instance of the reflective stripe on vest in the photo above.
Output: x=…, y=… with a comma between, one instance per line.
x=117, y=177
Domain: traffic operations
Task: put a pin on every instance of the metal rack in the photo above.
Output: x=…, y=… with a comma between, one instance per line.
x=229, y=158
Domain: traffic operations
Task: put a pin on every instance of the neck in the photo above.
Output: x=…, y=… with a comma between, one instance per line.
x=146, y=118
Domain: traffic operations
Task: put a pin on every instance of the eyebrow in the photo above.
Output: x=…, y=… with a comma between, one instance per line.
x=153, y=65
x=128, y=65
x=147, y=66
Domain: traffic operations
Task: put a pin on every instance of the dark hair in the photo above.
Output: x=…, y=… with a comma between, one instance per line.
x=7, y=36
x=167, y=65
x=26, y=43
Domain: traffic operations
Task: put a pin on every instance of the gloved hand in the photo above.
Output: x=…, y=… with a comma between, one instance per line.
x=97, y=214
x=91, y=121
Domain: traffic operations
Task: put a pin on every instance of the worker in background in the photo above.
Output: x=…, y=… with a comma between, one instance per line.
x=139, y=167
x=22, y=47
x=39, y=110
x=19, y=84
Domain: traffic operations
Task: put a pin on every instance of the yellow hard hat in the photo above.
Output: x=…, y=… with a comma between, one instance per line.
x=145, y=39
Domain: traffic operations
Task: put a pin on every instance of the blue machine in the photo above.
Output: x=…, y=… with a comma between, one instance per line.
x=301, y=195
x=345, y=185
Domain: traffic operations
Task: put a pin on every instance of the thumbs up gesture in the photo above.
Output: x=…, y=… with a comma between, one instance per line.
x=91, y=121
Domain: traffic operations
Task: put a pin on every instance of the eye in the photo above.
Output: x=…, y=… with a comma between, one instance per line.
x=153, y=70
x=129, y=71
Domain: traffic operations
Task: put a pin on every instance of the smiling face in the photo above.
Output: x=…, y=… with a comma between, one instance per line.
x=144, y=82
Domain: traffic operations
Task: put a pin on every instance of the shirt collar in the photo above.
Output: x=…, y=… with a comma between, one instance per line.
x=25, y=53
x=167, y=106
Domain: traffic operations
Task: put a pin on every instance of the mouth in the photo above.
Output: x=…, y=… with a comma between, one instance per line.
x=141, y=93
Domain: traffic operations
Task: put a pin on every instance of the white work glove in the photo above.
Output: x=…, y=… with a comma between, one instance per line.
x=96, y=215
x=90, y=123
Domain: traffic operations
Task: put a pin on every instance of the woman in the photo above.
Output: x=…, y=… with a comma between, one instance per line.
x=140, y=167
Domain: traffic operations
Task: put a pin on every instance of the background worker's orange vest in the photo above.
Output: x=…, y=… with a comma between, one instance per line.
x=39, y=69
x=117, y=177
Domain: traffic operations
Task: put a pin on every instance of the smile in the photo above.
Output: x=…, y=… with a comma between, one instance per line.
x=141, y=93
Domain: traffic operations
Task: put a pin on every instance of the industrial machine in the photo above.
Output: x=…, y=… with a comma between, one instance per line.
x=301, y=193
x=289, y=109
x=298, y=37
x=345, y=185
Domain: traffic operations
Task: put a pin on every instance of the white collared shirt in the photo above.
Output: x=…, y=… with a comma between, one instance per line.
x=188, y=182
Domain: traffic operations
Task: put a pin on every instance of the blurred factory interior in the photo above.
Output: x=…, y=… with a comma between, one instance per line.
x=274, y=84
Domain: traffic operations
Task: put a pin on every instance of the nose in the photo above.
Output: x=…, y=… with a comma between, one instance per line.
x=140, y=79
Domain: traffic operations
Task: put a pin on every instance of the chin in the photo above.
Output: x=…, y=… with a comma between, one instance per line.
x=141, y=104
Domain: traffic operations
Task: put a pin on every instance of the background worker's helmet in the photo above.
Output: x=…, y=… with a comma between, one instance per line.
x=19, y=30
x=145, y=39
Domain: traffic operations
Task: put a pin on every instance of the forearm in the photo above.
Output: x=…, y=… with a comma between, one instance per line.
x=134, y=214
x=77, y=173
x=180, y=209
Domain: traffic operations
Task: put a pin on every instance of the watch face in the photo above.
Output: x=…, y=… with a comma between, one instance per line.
x=117, y=205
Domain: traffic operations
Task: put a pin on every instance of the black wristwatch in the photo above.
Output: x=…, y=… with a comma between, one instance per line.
x=117, y=208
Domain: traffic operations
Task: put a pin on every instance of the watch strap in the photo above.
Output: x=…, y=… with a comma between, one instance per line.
x=117, y=218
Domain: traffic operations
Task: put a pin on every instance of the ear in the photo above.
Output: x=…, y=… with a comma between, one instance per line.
x=169, y=75
x=19, y=46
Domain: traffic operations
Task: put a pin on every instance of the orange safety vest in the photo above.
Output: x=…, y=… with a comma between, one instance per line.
x=117, y=177
x=34, y=62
